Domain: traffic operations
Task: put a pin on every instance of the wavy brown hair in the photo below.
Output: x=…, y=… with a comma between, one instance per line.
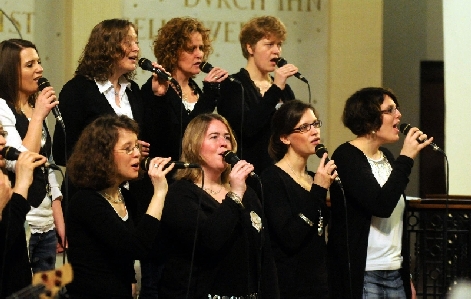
x=362, y=111
x=174, y=37
x=191, y=144
x=92, y=164
x=258, y=28
x=104, y=49
x=283, y=122
x=10, y=71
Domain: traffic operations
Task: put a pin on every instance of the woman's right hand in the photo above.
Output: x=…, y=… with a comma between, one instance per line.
x=45, y=101
x=411, y=146
x=325, y=173
x=239, y=173
x=159, y=85
x=27, y=162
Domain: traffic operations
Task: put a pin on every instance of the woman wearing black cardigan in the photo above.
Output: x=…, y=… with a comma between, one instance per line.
x=368, y=250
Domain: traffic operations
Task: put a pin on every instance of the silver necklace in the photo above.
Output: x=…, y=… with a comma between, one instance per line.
x=110, y=198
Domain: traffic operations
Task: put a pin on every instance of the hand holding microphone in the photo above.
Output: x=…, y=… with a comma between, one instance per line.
x=320, y=151
x=411, y=148
x=215, y=74
x=27, y=162
x=294, y=70
x=45, y=88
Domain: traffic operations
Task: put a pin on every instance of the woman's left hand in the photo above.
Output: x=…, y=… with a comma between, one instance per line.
x=216, y=75
x=157, y=173
x=45, y=101
x=325, y=173
x=144, y=148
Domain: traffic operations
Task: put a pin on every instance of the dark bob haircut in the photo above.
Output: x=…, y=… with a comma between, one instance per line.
x=283, y=122
x=362, y=111
x=92, y=164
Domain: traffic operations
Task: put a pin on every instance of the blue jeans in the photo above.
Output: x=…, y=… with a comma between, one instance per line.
x=381, y=284
x=42, y=251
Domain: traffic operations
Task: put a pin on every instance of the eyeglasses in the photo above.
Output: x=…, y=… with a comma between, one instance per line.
x=3, y=133
x=306, y=127
x=390, y=110
x=129, y=150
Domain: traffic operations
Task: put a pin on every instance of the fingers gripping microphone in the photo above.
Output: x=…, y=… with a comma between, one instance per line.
x=12, y=154
x=320, y=150
x=232, y=159
x=43, y=83
x=146, y=65
x=405, y=128
x=206, y=67
x=145, y=164
x=281, y=61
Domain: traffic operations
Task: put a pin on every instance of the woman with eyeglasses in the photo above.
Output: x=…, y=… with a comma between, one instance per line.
x=295, y=202
x=368, y=248
x=104, y=239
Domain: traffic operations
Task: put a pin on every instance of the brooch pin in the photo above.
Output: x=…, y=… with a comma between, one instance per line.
x=256, y=221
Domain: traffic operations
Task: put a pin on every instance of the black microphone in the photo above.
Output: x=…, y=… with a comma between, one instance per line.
x=281, y=61
x=43, y=83
x=405, y=128
x=178, y=164
x=320, y=150
x=232, y=159
x=11, y=153
x=206, y=67
x=146, y=65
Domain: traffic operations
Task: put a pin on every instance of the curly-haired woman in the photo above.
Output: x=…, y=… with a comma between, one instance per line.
x=104, y=239
x=180, y=46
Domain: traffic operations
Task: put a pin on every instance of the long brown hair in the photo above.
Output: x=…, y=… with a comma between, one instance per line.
x=10, y=71
x=191, y=144
x=104, y=49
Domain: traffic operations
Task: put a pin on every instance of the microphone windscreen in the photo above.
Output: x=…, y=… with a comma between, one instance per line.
x=10, y=153
x=321, y=150
x=230, y=157
x=206, y=67
x=145, y=64
x=404, y=128
x=43, y=83
x=281, y=61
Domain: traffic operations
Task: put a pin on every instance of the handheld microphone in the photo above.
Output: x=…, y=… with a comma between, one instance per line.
x=12, y=154
x=146, y=65
x=206, y=67
x=232, y=159
x=281, y=61
x=43, y=83
x=405, y=128
x=145, y=164
x=320, y=150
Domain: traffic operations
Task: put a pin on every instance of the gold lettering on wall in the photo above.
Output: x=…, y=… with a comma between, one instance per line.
x=229, y=4
x=301, y=4
x=23, y=20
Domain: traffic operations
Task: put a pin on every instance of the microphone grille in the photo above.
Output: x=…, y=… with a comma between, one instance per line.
x=206, y=67
x=145, y=64
x=43, y=83
x=230, y=157
x=320, y=150
x=404, y=128
x=281, y=61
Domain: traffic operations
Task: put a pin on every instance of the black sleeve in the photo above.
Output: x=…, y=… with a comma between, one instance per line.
x=12, y=223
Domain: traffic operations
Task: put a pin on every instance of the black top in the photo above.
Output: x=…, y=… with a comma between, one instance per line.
x=364, y=198
x=166, y=117
x=15, y=270
x=230, y=255
x=300, y=253
x=103, y=247
x=253, y=114
x=81, y=103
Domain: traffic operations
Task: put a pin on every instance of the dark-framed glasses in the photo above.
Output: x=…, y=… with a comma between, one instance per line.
x=391, y=110
x=3, y=133
x=130, y=149
x=306, y=127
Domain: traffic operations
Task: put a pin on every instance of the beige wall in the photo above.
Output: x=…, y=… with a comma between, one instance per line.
x=355, y=58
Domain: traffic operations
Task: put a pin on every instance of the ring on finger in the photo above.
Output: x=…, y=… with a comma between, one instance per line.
x=216, y=77
x=156, y=165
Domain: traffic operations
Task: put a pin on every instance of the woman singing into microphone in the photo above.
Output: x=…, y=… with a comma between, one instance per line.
x=23, y=111
x=231, y=255
x=260, y=39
